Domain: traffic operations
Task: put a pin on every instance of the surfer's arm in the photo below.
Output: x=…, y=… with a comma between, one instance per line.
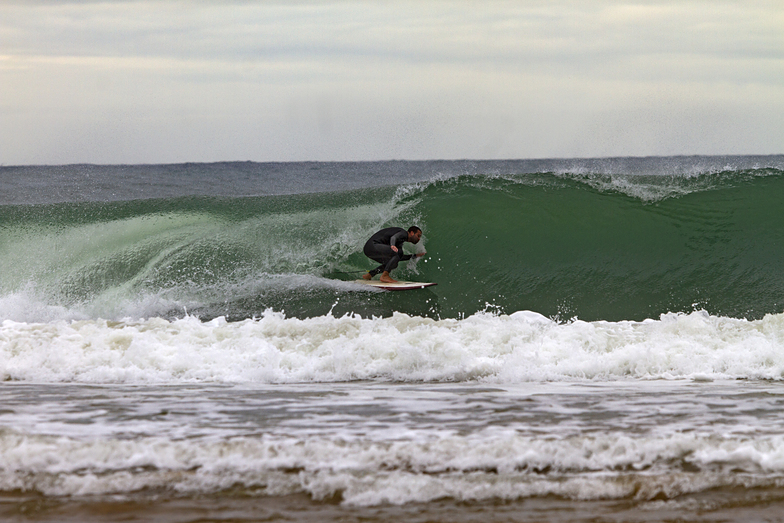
x=398, y=237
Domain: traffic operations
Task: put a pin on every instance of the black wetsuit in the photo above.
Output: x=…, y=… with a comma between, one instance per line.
x=379, y=248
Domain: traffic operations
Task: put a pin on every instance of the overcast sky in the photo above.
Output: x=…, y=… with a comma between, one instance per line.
x=176, y=81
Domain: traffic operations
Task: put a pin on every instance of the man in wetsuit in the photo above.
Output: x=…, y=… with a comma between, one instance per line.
x=386, y=247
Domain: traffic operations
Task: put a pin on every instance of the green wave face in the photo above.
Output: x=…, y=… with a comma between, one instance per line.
x=591, y=247
x=572, y=249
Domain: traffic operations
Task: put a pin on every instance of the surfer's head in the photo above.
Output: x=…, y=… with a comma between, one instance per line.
x=414, y=234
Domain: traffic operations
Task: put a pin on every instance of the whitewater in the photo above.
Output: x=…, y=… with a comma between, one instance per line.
x=517, y=348
x=181, y=342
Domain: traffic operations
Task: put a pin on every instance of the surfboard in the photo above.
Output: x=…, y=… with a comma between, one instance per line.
x=398, y=286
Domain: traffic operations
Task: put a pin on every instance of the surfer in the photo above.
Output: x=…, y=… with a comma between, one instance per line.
x=386, y=247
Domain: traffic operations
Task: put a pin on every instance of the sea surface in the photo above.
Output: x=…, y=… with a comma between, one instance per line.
x=184, y=343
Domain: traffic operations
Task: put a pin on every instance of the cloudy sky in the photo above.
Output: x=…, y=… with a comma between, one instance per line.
x=177, y=81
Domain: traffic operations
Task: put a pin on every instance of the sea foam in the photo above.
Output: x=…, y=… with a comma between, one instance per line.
x=368, y=472
x=520, y=347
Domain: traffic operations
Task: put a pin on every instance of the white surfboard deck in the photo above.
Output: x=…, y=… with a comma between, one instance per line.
x=397, y=286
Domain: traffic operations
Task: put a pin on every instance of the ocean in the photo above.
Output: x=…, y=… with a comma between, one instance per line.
x=184, y=343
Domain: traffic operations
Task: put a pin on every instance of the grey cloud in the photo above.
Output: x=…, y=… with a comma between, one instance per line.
x=371, y=80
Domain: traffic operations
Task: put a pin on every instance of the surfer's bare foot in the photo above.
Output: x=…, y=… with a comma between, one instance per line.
x=386, y=278
x=367, y=276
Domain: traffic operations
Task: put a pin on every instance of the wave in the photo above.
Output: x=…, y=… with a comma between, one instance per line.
x=566, y=244
x=610, y=247
x=498, y=465
x=518, y=348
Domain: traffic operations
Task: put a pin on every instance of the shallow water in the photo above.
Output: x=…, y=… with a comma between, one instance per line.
x=622, y=450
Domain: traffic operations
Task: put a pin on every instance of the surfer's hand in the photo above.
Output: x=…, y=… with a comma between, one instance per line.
x=393, y=248
x=420, y=254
